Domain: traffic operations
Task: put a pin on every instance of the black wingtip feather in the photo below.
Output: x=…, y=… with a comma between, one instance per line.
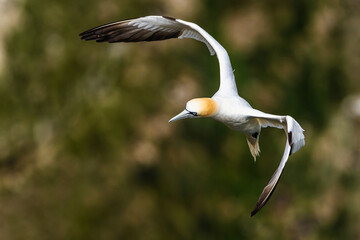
x=264, y=198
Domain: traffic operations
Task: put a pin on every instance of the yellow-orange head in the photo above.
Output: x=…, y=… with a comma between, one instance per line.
x=197, y=107
x=203, y=107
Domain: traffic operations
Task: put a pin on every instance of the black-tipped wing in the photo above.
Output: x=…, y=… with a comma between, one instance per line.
x=149, y=28
x=295, y=140
x=155, y=28
x=131, y=31
x=270, y=187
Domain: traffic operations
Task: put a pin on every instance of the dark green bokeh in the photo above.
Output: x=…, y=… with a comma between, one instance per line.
x=86, y=151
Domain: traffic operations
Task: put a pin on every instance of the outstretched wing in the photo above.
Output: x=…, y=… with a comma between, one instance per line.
x=295, y=141
x=155, y=28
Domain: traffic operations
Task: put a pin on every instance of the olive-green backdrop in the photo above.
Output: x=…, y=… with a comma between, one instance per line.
x=86, y=151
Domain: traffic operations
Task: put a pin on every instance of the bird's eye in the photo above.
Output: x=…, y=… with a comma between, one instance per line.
x=193, y=113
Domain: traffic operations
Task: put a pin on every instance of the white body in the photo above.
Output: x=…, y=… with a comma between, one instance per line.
x=233, y=112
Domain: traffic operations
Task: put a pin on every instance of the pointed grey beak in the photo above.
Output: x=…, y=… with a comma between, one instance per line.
x=184, y=114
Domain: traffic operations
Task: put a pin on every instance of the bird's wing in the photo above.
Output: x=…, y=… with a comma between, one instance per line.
x=155, y=28
x=295, y=141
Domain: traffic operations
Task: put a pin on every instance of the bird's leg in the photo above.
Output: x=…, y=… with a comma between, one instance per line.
x=253, y=142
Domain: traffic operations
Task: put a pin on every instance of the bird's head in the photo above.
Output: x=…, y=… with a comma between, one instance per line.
x=197, y=107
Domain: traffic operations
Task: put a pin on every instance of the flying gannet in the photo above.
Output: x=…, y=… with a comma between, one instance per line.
x=225, y=105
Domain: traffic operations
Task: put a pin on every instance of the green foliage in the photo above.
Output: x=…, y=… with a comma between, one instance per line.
x=86, y=151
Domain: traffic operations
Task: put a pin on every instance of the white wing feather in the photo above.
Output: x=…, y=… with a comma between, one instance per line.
x=155, y=28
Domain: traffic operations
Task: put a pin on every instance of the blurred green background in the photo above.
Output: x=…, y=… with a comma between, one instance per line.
x=86, y=151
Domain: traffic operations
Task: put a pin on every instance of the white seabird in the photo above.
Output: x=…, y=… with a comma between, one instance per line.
x=225, y=105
